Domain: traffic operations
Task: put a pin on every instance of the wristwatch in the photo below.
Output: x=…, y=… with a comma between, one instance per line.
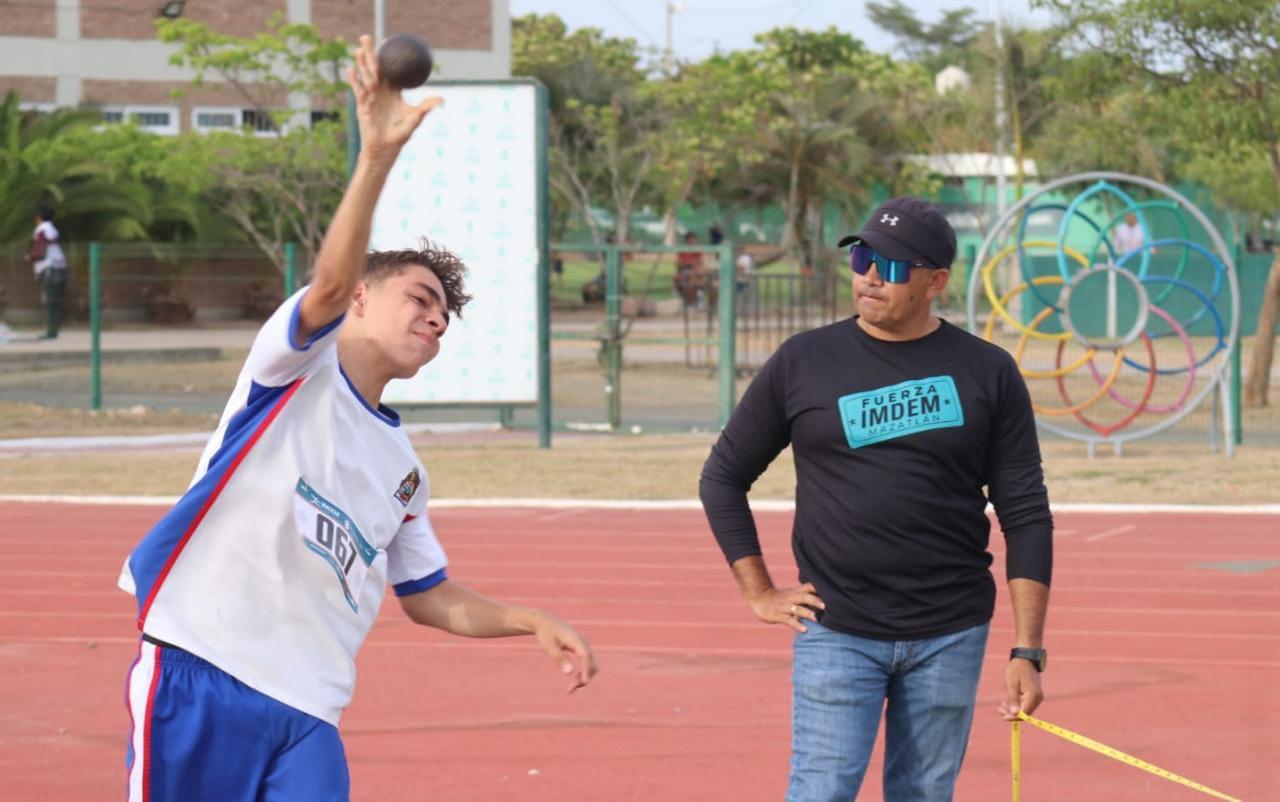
x=1038, y=657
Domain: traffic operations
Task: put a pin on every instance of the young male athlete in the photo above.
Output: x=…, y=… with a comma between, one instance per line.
x=257, y=589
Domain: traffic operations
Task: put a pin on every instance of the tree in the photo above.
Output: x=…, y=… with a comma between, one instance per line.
x=603, y=115
x=1216, y=67
x=705, y=124
x=962, y=121
x=944, y=43
x=822, y=129
x=95, y=178
x=274, y=189
x=1103, y=120
x=269, y=70
x=25, y=179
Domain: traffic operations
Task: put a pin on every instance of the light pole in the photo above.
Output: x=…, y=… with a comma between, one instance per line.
x=668, y=59
x=1001, y=121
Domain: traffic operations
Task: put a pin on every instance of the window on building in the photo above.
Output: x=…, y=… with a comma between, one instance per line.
x=215, y=118
x=234, y=118
x=260, y=122
x=324, y=116
x=156, y=119
x=153, y=119
x=37, y=108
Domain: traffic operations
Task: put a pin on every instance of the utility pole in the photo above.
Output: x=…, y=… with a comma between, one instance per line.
x=379, y=21
x=668, y=57
x=1013, y=267
x=1001, y=121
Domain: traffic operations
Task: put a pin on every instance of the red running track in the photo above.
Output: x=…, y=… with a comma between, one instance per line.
x=1151, y=652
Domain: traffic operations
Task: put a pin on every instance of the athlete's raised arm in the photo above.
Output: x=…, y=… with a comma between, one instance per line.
x=386, y=122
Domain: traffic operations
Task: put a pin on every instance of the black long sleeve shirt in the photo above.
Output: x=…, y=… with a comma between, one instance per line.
x=894, y=443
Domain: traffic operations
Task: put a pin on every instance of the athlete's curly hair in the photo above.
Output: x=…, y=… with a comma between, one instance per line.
x=446, y=265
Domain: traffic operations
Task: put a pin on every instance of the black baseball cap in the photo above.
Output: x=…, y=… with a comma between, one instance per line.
x=911, y=229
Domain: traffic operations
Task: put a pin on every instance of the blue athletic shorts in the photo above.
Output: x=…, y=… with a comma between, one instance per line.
x=200, y=735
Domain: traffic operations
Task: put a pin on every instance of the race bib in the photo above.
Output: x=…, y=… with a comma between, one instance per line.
x=330, y=533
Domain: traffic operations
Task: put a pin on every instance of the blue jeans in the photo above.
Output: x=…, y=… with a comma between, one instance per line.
x=841, y=682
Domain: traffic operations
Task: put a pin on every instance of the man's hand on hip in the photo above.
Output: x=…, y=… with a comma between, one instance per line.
x=790, y=606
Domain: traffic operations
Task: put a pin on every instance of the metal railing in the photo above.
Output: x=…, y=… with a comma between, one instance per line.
x=775, y=306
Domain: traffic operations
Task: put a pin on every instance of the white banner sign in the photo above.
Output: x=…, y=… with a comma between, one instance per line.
x=468, y=181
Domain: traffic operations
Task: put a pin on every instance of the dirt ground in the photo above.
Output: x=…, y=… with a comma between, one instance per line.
x=21, y=421
x=509, y=465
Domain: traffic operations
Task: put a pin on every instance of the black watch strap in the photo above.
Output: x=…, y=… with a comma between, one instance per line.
x=1037, y=657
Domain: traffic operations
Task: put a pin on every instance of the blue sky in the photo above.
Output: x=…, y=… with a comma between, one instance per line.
x=730, y=24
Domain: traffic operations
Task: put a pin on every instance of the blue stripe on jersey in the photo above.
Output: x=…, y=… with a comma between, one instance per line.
x=383, y=413
x=259, y=403
x=295, y=318
x=153, y=552
x=419, y=585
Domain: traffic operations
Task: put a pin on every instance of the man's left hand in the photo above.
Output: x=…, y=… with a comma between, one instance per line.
x=1022, y=689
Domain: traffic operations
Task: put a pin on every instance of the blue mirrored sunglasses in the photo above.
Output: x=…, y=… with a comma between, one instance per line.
x=894, y=271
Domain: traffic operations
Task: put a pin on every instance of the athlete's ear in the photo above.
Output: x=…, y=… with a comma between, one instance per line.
x=360, y=299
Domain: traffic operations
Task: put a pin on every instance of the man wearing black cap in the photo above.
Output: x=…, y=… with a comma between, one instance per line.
x=897, y=420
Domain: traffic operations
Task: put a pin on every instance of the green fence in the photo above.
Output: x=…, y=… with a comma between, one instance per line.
x=181, y=319
x=632, y=347
x=621, y=360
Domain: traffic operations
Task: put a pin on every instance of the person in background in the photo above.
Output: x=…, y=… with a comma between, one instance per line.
x=688, y=277
x=50, y=265
x=1128, y=235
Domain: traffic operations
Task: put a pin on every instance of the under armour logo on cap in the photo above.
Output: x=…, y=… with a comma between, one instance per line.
x=911, y=229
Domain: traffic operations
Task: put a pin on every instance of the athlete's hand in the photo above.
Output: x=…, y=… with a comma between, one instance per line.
x=385, y=120
x=790, y=606
x=566, y=646
x=1022, y=689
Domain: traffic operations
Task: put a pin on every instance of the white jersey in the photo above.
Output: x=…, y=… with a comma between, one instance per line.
x=307, y=502
x=1128, y=238
x=53, y=255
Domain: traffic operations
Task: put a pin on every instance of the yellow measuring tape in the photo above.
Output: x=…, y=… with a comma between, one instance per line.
x=1102, y=749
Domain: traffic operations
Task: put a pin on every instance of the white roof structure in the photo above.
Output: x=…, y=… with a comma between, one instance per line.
x=973, y=165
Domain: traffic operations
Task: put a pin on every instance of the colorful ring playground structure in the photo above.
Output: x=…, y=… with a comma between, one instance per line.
x=1118, y=300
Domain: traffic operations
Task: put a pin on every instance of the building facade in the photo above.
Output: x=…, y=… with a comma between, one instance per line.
x=104, y=53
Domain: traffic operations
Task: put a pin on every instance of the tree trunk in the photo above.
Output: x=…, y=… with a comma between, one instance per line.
x=670, y=222
x=817, y=238
x=669, y=226
x=1258, y=380
x=793, y=209
x=622, y=224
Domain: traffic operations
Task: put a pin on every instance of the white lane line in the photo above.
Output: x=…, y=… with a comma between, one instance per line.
x=555, y=516
x=1106, y=533
x=761, y=505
